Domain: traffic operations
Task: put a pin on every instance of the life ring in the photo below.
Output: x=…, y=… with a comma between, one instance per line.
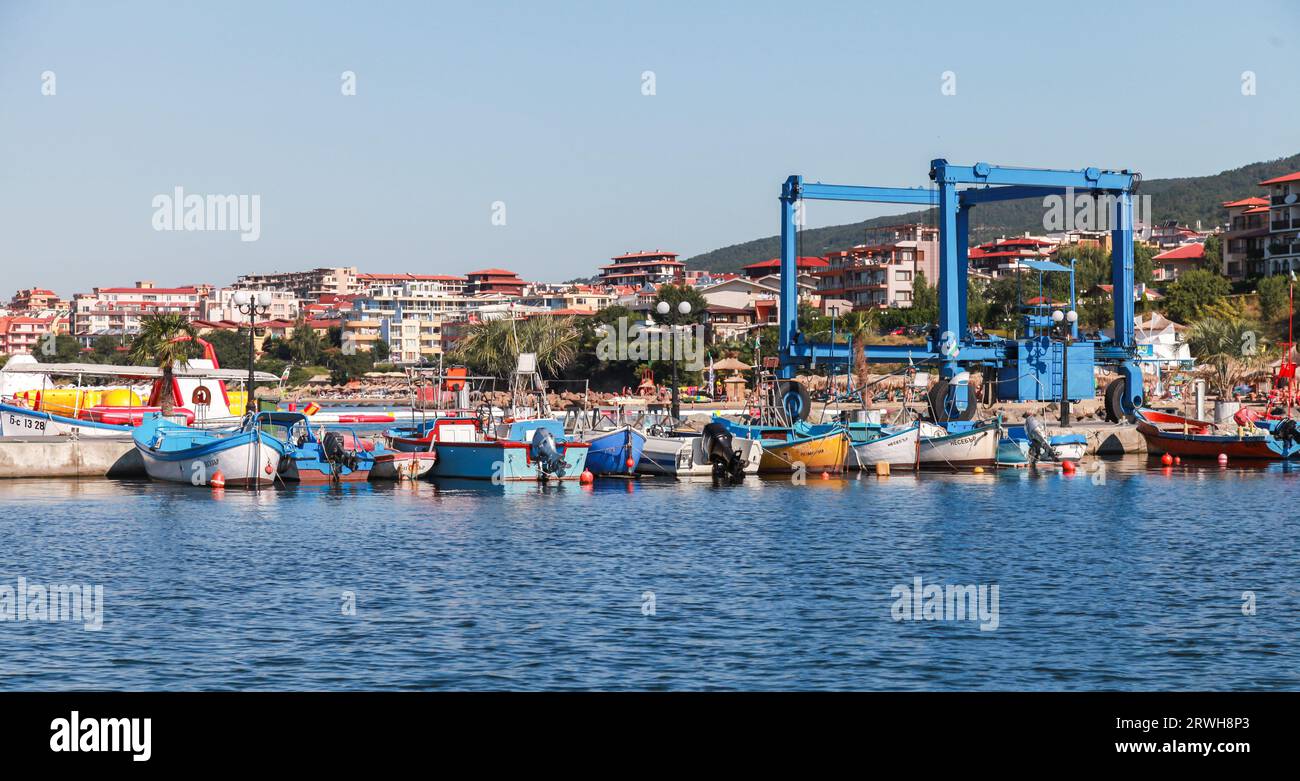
x=201, y=396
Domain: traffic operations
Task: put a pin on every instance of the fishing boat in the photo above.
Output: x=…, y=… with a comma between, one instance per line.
x=962, y=444
x=1027, y=444
x=820, y=447
x=245, y=455
x=334, y=457
x=714, y=453
x=617, y=440
x=898, y=446
x=394, y=465
x=535, y=449
x=1271, y=440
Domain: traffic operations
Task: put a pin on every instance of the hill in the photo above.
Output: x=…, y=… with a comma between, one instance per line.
x=1186, y=200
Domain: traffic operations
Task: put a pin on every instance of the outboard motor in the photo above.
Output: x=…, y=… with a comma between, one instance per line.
x=335, y=448
x=547, y=453
x=1040, y=444
x=1287, y=431
x=717, y=443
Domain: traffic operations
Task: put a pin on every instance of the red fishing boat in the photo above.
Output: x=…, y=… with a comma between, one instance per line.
x=1192, y=438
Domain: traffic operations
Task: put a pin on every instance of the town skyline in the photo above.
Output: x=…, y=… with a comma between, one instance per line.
x=578, y=151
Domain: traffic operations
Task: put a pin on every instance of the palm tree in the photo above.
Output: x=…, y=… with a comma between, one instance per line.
x=859, y=325
x=157, y=345
x=492, y=347
x=1232, y=347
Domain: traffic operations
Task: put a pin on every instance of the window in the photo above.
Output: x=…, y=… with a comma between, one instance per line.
x=903, y=276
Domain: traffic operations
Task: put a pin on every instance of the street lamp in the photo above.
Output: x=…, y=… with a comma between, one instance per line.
x=684, y=308
x=1060, y=318
x=252, y=304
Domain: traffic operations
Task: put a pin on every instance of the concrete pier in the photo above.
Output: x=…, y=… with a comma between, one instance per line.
x=64, y=457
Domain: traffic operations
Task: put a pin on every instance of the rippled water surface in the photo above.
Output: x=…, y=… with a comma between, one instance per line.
x=1128, y=578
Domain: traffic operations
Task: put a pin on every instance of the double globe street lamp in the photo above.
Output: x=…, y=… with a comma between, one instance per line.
x=1060, y=320
x=684, y=308
x=252, y=304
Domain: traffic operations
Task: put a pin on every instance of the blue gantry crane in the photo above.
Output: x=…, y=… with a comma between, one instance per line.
x=1029, y=367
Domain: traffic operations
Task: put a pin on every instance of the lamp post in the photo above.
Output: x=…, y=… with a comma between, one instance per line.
x=684, y=308
x=252, y=304
x=1060, y=318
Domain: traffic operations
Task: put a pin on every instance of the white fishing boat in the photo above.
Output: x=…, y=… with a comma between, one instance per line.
x=244, y=456
x=961, y=445
x=898, y=446
x=700, y=455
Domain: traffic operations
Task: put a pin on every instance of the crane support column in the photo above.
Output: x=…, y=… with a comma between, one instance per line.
x=788, y=306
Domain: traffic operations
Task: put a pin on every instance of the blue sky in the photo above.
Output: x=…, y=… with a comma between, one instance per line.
x=540, y=106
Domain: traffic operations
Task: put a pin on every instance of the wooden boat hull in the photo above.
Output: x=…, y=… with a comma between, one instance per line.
x=1192, y=445
x=685, y=457
x=963, y=449
x=612, y=450
x=896, y=448
x=244, y=464
x=402, y=466
x=820, y=453
x=504, y=460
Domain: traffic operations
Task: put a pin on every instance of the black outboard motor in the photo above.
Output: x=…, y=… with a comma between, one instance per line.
x=546, y=453
x=717, y=443
x=1287, y=431
x=337, y=453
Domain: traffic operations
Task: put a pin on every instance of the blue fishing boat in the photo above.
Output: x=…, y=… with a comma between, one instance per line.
x=244, y=456
x=533, y=449
x=336, y=457
x=615, y=452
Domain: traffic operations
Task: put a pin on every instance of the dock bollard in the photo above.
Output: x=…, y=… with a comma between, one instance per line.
x=882, y=469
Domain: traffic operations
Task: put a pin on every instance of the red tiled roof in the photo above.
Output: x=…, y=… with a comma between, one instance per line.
x=804, y=261
x=1184, y=252
x=645, y=254
x=492, y=272
x=1295, y=177
x=150, y=290
x=1256, y=210
x=1252, y=201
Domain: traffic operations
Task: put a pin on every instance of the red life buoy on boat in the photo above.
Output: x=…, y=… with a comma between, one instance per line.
x=201, y=395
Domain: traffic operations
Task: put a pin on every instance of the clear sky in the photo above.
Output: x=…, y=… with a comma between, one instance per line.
x=541, y=106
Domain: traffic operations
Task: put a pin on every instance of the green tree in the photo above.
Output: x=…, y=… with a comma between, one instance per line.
x=492, y=347
x=231, y=347
x=157, y=344
x=925, y=301
x=1193, y=292
x=1274, y=298
x=305, y=344
x=1232, y=346
x=63, y=348
x=1213, y=258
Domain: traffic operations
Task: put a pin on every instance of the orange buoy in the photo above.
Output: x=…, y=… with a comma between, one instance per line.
x=630, y=463
x=1166, y=459
x=826, y=475
x=218, y=480
x=586, y=478
x=1067, y=467
x=1178, y=460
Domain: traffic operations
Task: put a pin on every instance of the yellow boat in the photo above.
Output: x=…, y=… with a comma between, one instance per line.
x=824, y=452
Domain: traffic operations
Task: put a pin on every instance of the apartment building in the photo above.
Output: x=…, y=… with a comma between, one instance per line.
x=221, y=306
x=1001, y=257
x=648, y=267
x=35, y=299
x=494, y=280
x=117, y=310
x=1246, y=238
x=871, y=277
x=25, y=334
x=1282, y=251
x=305, y=285
x=917, y=237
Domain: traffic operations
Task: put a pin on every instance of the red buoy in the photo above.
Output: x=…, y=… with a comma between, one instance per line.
x=1166, y=459
x=630, y=463
x=1223, y=459
x=1178, y=460
x=1067, y=467
x=826, y=475
x=218, y=480
x=586, y=478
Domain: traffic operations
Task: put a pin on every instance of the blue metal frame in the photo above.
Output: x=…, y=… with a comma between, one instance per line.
x=990, y=184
